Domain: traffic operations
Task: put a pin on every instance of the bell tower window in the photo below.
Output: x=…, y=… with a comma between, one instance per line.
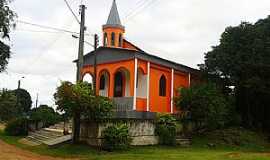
x=113, y=39
x=120, y=40
x=105, y=40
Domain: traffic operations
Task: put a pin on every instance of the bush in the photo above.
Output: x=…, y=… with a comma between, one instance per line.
x=116, y=137
x=204, y=105
x=45, y=114
x=166, y=129
x=17, y=127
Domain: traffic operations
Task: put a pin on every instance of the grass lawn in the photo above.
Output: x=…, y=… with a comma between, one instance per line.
x=198, y=151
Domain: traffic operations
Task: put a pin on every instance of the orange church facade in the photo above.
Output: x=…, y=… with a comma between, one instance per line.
x=135, y=80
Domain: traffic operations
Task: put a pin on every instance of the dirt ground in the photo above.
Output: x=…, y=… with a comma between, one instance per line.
x=9, y=152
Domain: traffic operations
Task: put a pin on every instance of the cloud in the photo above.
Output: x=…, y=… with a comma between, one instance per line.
x=177, y=30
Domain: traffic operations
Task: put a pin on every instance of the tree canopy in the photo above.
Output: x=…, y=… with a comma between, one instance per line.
x=242, y=60
x=204, y=105
x=7, y=21
x=78, y=100
x=16, y=103
x=45, y=114
x=8, y=109
x=24, y=100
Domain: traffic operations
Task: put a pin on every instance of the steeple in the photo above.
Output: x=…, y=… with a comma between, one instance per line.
x=113, y=30
x=114, y=18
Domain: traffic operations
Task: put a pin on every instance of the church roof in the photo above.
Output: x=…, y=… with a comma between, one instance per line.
x=111, y=55
x=114, y=18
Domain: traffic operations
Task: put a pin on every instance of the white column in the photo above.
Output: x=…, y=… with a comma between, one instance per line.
x=148, y=86
x=189, y=79
x=135, y=84
x=172, y=89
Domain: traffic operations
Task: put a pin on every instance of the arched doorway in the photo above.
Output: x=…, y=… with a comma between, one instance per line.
x=122, y=83
x=104, y=84
x=88, y=78
x=119, y=84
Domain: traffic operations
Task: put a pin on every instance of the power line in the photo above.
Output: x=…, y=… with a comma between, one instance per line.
x=139, y=5
x=37, y=31
x=47, y=27
x=53, y=28
x=139, y=11
x=69, y=7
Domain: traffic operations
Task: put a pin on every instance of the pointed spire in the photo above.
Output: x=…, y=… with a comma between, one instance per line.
x=114, y=18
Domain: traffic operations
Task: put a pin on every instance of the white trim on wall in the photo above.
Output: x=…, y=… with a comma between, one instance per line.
x=135, y=84
x=148, y=86
x=172, y=89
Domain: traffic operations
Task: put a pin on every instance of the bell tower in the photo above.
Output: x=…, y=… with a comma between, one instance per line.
x=113, y=30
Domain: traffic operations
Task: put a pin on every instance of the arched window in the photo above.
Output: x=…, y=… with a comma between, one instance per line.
x=113, y=39
x=120, y=40
x=102, y=82
x=105, y=41
x=162, y=86
x=118, y=85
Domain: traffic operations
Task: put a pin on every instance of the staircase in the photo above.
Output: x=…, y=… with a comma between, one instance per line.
x=42, y=136
x=49, y=136
x=184, y=142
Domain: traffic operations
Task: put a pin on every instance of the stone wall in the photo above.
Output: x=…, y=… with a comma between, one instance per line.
x=142, y=132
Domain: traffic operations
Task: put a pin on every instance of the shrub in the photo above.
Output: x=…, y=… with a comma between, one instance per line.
x=116, y=137
x=17, y=127
x=204, y=105
x=166, y=129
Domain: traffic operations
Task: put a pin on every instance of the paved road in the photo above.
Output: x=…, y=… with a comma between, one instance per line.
x=9, y=152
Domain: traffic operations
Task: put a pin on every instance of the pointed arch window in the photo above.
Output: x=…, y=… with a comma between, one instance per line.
x=120, y=40
x=113, y=39
x=105, y=40
x=102, y=82
x=162, y=86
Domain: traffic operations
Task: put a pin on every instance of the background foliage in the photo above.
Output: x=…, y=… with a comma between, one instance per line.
x=14, y=104
x=7, y=21
x=204, y=105
x=17, y=127
x=45, y=114
x=242, y=60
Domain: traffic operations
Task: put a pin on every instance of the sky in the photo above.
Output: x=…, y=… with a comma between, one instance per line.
x=178, y=30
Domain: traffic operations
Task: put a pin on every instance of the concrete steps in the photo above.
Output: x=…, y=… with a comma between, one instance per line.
x=185, y=142
x=47, y=136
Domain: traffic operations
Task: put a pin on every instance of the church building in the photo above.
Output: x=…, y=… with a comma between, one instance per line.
x=134, y=79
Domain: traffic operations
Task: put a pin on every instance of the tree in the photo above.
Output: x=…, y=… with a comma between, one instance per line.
x=24, y=100
x=8, y=109
x=78, y=100
x=16, y=103
x=45, y=114
x=204, y=105
x=7, y=21
x=242, y=60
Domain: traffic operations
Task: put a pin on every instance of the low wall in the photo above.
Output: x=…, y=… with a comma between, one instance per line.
x=141, y=131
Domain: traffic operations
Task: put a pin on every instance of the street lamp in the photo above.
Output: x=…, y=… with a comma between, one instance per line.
x=19, y=82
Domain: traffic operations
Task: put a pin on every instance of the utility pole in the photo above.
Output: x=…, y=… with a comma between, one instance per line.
x=77, y=115
x=19, y=84
x=95, y=64
x=37, y=101
x=81, y=44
